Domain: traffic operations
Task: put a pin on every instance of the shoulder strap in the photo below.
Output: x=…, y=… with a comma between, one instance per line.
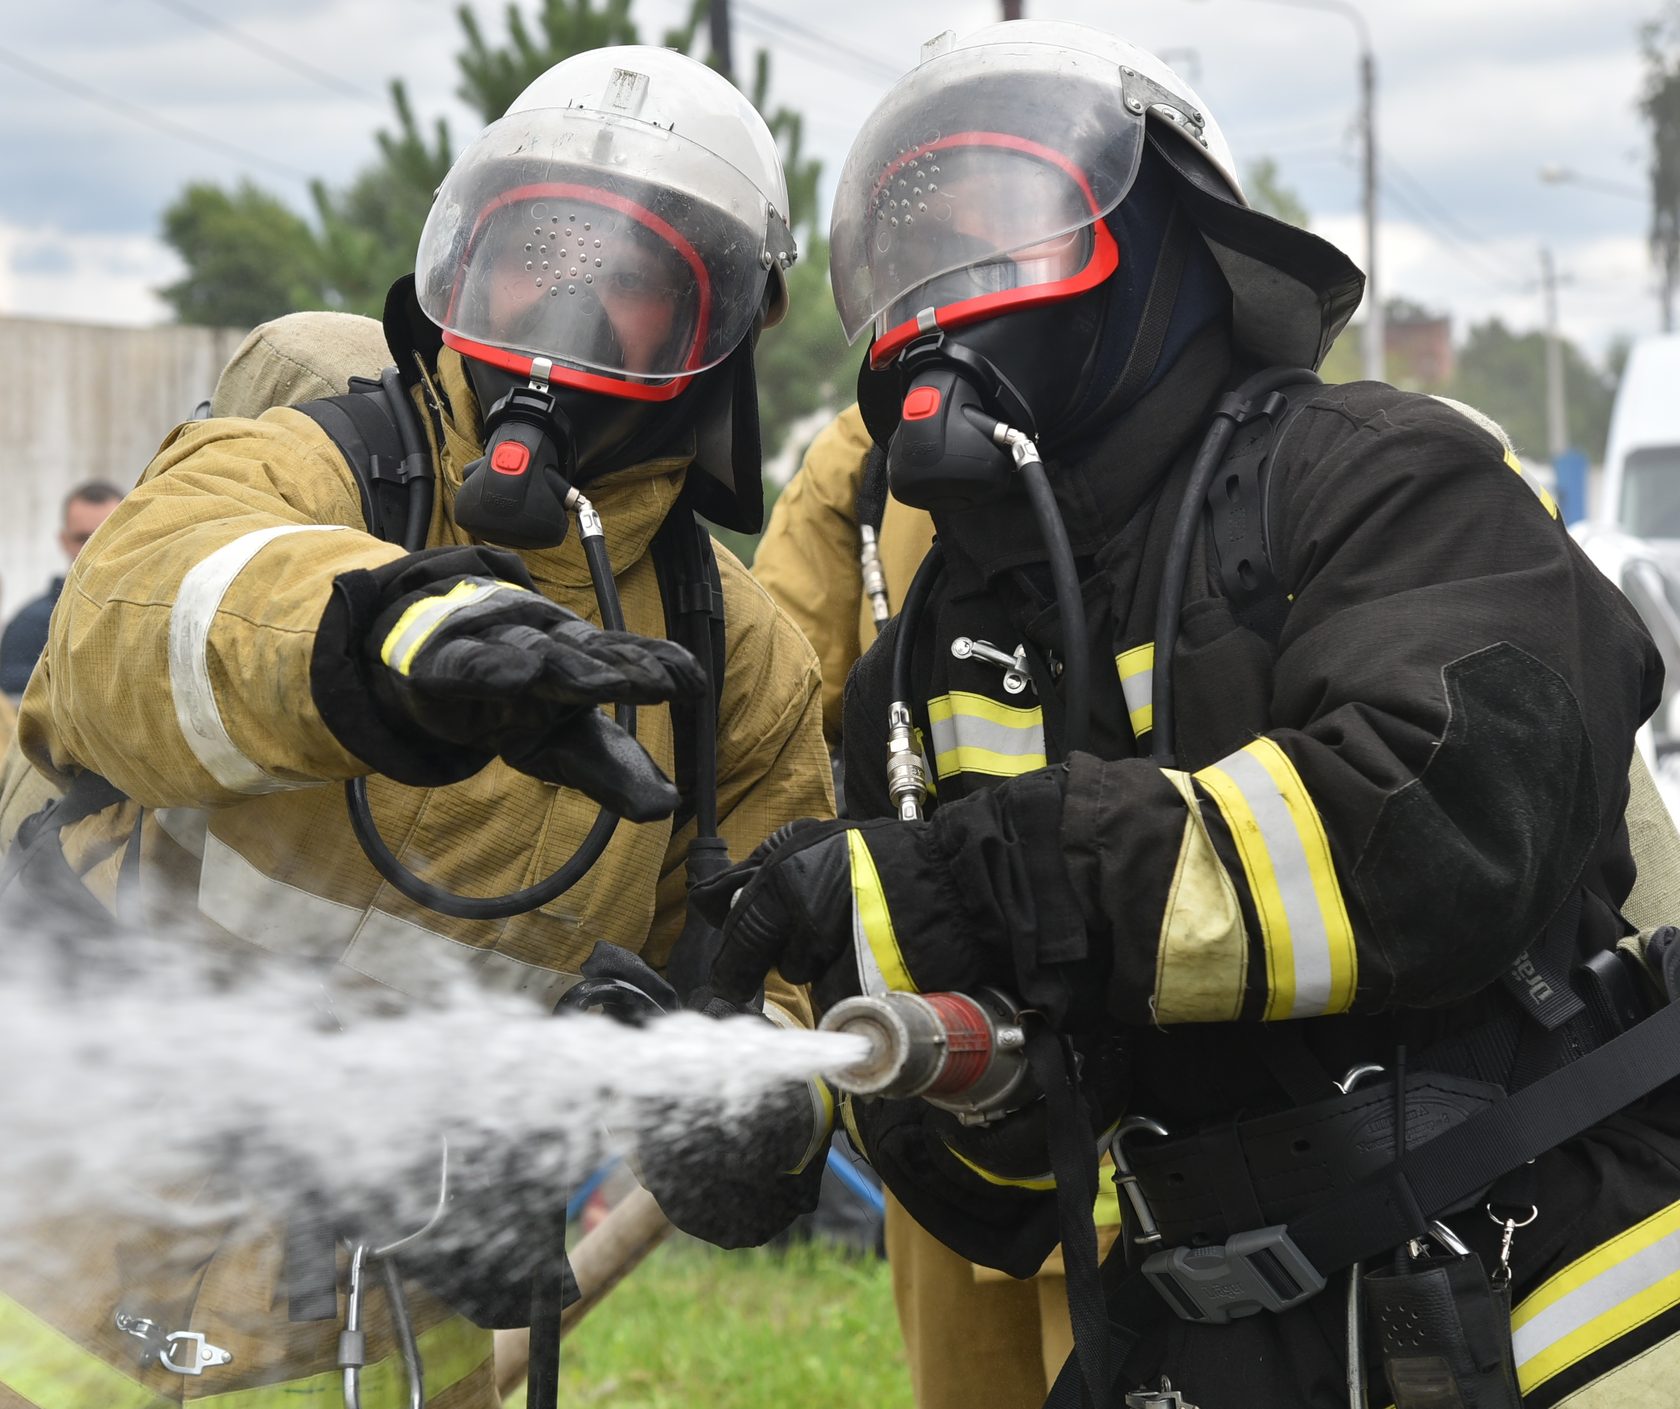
x=1239, y=529
x=691, y=588
x=363, y=425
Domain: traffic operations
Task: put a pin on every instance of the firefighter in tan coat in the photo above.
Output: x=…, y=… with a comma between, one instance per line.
x=234, y=638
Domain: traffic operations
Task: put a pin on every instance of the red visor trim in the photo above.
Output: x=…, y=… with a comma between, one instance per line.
x=612, y=201
x=1104, y=260
x=520, y=362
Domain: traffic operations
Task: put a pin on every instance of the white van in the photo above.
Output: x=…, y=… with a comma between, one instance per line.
x=1634, y=534
x=1642, y=460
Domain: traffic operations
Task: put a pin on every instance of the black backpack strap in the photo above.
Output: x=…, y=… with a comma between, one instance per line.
x=386, y=456
x=1239, y=529
x=691, y=588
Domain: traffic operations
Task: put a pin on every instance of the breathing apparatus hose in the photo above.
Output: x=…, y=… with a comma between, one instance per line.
x=519, y=902
x=1231, y=412
x=1070, y=601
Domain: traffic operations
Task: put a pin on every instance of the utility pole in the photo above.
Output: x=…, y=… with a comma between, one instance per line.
x=723, y=52
x=1557, y=419
x=1376, y=327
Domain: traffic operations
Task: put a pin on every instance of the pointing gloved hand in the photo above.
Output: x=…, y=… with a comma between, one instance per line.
x=455, y=648
x=734, y=1183
x=977, y=894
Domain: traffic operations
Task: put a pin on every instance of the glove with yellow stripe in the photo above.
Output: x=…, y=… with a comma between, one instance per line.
x=735, y=1183
x=977, y=894
x=433, y=665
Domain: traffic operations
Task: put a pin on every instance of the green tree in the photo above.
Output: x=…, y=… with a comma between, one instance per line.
x=369, y=231
x=249, y=256
x=1263, y=184
x=1504, y=374
x=1659, y=103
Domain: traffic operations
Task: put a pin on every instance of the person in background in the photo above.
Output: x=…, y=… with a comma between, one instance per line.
x=85, y=508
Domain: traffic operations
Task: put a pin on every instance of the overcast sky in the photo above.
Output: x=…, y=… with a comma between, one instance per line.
x=108, y=107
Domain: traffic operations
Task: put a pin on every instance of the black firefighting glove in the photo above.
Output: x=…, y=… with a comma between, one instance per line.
x=433, y=665
x=977, y=894
x=987, y=1191
x=734, y=1183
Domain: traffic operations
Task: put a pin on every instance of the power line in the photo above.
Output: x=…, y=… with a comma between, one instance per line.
x=1444, y=236
x=269, y=51
x=146, y=118
x=1444, y=213
x=821, y=45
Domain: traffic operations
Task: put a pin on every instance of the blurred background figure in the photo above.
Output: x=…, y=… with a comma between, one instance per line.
x=85, y=508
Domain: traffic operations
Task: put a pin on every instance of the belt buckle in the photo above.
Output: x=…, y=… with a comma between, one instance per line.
x=1249, y=1273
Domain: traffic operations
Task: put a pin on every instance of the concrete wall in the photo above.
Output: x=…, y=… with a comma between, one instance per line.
x=79, y=401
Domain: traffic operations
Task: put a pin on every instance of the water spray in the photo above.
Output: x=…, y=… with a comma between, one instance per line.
x=963, y=1053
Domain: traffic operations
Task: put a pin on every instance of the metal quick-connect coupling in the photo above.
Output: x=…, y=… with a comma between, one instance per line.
x=906, y=780
x=874, y=577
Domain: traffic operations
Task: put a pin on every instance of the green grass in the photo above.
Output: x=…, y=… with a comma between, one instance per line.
x=693, y=1326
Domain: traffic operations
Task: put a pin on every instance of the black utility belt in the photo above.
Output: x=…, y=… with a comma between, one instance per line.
x=1244, y=1174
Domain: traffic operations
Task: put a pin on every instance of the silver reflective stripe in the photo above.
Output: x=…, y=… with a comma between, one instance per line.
x=973, y=734
x=288, y=920
x=424, y=617
x=1294, y=893
x=196, y=604
x=1599, y=1298
x=1137, y=685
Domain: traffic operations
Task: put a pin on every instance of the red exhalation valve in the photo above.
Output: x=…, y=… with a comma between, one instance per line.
x=962, y=1052
x=922, y=402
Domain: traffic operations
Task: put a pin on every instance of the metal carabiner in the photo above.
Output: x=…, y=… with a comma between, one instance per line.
x=1126, y=1179
x=352, y=1341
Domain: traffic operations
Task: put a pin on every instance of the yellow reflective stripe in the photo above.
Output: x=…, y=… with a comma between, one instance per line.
x=872, y=926
x=52, y=1372
x=974, y=734
x=1039, y=1182
x=418, y=623
x=848, y=1120
x=1311, y=962
x=1540, y=489
x=1598, y=1298
x=1106, y=1212
x=1137, y=684
x=820, y=1093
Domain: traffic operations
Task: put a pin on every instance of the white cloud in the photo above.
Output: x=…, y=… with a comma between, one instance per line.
x=93, y=278
x=1473, y=99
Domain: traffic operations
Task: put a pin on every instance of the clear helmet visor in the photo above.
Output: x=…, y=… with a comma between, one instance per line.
x=984, y=172
x=611, y=247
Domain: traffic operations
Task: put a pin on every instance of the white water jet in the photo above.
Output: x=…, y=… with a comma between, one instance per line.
x=131, y=1067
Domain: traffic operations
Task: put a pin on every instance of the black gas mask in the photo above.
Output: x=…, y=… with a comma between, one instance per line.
x=937, y=405
x=542, y=439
